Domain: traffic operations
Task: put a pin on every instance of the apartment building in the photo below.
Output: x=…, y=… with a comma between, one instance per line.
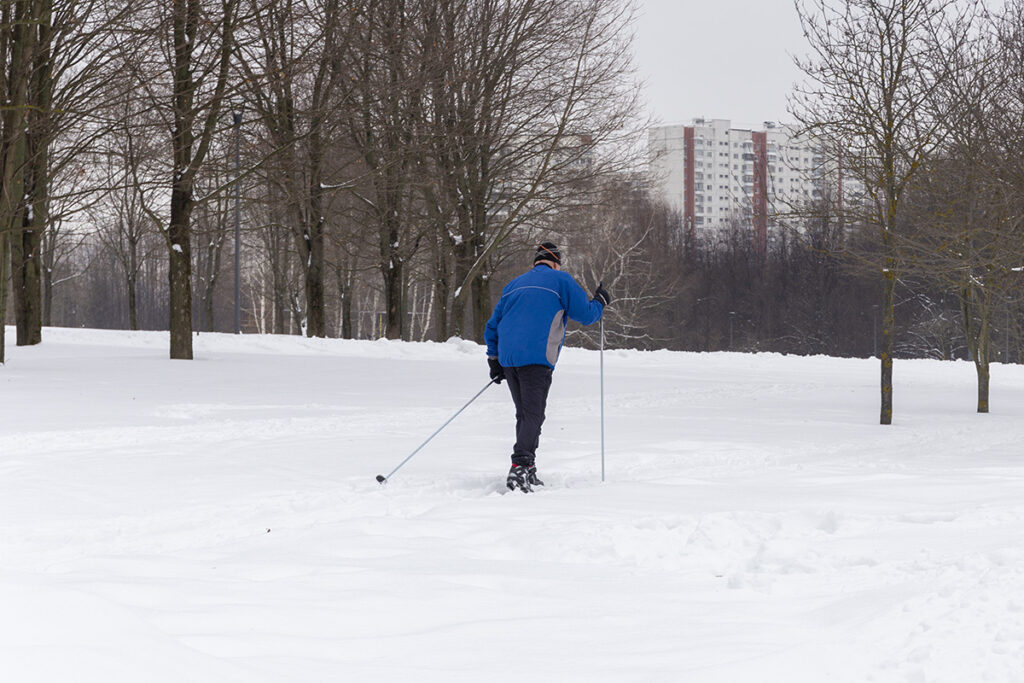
x=714, y=174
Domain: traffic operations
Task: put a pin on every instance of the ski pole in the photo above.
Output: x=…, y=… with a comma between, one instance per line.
x=602, y=398
x=381, y=479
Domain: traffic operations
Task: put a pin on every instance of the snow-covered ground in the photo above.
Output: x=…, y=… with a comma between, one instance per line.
x=218, y=520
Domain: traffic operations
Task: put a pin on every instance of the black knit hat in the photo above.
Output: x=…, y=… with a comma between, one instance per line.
x=547, y=251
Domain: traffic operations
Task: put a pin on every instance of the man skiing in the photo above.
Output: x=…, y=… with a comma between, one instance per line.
x=524, y=337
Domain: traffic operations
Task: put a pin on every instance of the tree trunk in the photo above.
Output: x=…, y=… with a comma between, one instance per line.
x=27, y=252
x=982, y=368
x=211, y=264
x=206, y=322
x=3, y=291
x=279, y=268
x=27, y=281
x=393, y=300
x=391, y=268
x=983, y=356
x=474, y=292
x=16, y=44
x=309, y=233
x=481, y=301
x=133, y=304
x=28, y=266
x=976, y=314
x=978, y=341
x=464, y=260
x=344, y=277
x=441, y=293
x=316, y=322
x=210, y=325
x=316, y=314
x=346, y=316
x=887, y=347
x=47, y=291
x=189, y=151
x=481, y=306
x=179, y=273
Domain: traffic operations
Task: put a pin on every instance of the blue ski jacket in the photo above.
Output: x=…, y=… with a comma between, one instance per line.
x=528, y=323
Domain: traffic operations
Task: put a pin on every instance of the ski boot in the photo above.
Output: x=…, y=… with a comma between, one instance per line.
x=519, y=478
x=532, y=478
x=523, y=477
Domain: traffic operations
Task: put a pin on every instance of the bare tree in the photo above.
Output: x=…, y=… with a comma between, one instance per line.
x=965, y=227
x=18, y=43
x=384, y=126
x=70, y=48
x=26, y=241
x=212, y=227
x=874, y=68
x=625, y=241
x=295, y=82
x=180, y=56
x=530, y=104
x=124, y=228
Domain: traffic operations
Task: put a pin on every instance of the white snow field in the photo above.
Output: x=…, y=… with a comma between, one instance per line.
x=218, y=520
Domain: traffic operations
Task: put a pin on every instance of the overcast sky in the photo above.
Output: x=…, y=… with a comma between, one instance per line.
x=725, y=59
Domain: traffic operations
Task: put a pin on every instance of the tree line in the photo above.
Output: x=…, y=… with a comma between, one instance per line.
x=388, y=161
x=385, y=156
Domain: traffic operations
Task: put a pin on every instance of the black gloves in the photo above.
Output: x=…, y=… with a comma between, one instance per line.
x=601, y=294
x=497, y=372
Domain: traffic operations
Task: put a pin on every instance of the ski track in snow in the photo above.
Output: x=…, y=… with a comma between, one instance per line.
x=218, y=520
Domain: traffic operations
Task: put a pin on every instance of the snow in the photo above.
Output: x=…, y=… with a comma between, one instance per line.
x=218, y=520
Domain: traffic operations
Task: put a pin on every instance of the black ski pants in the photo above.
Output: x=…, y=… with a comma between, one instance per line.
x=529, y=385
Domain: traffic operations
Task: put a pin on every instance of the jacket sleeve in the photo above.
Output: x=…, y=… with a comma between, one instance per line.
x=578, y=305
x=491, y=330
